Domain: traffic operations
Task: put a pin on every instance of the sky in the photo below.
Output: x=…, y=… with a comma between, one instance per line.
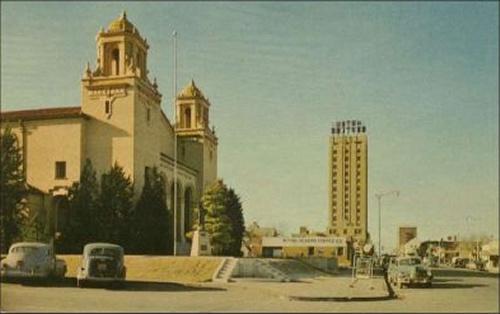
x=421, y=76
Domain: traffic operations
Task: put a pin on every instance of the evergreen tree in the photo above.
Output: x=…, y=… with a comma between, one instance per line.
x=115, y=206
x=13, y=189
x=217, y=221
x=151, y=231
x=223, y=219
x=235, y=213
x=83, y=207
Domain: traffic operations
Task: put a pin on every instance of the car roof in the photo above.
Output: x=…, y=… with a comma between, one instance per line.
x=37, y=244
x=90, y=246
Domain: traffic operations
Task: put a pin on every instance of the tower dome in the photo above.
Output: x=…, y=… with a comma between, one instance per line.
x=191, y=90
x=122, y=25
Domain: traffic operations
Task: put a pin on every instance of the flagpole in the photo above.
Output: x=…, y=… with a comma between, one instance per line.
x=175, y=142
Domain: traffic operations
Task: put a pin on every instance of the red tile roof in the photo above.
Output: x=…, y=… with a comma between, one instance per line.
x=39, y=114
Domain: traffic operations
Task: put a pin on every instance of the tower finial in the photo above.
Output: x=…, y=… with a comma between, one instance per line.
x=124, y=14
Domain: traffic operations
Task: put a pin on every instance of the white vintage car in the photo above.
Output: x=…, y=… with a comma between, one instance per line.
x=32, y=260
x=102, y=262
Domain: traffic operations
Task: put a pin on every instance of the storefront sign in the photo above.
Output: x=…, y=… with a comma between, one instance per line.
x=312, y=241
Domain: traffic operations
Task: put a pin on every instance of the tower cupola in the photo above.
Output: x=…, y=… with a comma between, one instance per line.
x=121, y=51
x=192, y=109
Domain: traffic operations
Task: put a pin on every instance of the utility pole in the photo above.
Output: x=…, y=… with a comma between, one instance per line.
x=379, y=197
x=175, y=143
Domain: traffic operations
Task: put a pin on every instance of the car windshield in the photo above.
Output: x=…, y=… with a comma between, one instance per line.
x=410, y=261
x=105, y=251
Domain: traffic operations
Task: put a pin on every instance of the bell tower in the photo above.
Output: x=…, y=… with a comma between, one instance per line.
x=197, y=142
x=123, y=102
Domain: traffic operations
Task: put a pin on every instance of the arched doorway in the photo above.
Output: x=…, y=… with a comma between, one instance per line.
x=177, y=215
x=188, y=209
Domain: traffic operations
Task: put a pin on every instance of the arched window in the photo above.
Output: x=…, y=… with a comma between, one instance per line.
x=139, y=63
x=116, y=62
x=187, y=118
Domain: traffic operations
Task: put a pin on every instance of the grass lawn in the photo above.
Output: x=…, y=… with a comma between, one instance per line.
x=160, y=268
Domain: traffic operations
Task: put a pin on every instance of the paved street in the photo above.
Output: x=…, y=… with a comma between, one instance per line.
x=453, y=291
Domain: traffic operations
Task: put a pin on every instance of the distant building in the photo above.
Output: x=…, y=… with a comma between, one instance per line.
x=281, y=247
x=348, y=181
x=252, y=242
x=489, y=254
x=406, y=234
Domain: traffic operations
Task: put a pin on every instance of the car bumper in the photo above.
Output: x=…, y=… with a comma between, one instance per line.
x=16, y=273
x=409, y=280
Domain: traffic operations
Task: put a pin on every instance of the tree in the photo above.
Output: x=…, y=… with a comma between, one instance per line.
x=115, y=206
x=13, y=188
x=223, y=219
x=151, y=222
x=83, y=206
x=235, y=213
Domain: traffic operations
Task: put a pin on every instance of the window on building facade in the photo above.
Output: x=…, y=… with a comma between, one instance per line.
x=116, y=62
x=60, y=170
x=107, y=107
x=187, y=118
x=148, y=114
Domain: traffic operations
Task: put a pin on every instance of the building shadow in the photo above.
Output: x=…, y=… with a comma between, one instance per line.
x=450, y=285
x=166, y=286
x=128, y=285
x=344, y=299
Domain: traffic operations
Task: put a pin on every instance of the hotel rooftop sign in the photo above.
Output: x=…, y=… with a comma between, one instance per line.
x=310, y=241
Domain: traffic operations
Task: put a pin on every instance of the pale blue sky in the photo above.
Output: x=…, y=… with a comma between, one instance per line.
x=422, y=76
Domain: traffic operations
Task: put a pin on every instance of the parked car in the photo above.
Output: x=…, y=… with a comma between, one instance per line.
x=101, y=262
x=460, y=262
x=409, y=270
x=475, y=265
x=32, y=260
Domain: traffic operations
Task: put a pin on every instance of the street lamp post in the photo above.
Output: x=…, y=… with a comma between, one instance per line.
x=379, y=197
x=469, y=220
x=175, y=142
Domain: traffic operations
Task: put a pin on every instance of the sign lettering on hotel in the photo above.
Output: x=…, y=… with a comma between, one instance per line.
x=312, y=241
